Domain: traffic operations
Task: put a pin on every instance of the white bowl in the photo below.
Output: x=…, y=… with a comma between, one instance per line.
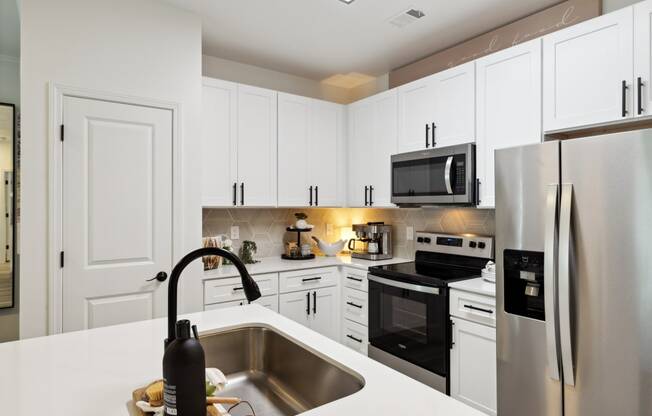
x=331, y=249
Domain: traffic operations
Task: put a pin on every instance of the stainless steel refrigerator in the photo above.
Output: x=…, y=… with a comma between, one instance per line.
x=574, y=277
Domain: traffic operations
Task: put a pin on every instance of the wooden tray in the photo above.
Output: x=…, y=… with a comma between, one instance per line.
x=138, y=395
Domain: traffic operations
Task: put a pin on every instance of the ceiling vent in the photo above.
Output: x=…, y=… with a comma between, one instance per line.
x=406, y=17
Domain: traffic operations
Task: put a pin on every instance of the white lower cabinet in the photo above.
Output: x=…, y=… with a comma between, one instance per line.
x=355, y=336
x=270, y=302
x=355, y=305
x=316, y=309
x=355, y=310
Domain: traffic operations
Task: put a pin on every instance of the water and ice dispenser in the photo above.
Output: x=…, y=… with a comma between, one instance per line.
x=524, y=283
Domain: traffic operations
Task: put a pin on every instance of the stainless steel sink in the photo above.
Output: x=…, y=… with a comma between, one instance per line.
x=275, y=374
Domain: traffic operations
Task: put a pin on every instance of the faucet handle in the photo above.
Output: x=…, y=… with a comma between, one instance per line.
x=160, y=276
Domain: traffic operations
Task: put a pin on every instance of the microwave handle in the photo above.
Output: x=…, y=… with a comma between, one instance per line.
x=447, y=174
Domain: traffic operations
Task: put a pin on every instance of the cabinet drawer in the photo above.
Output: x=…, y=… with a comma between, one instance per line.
x=355, y=336
x=270, y=302
x=229, y=290
x=355, y=279
x=474, y=307
x=307, y=279
x=355, y=304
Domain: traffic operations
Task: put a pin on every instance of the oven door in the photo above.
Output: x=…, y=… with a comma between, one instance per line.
x=409, y=322
x=435, y=176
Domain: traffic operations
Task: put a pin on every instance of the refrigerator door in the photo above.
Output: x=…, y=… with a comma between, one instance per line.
x=527, y=184
x=605, y=275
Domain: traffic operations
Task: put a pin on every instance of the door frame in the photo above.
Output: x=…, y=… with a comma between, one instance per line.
x=56, y=94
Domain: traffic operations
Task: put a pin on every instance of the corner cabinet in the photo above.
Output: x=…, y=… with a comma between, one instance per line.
x=238, y=145
x=373, y=133
x=508, y=108
x=310, y=140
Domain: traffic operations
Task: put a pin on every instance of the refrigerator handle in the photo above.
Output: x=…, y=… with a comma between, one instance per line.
x=564, y=284
x=550, y=280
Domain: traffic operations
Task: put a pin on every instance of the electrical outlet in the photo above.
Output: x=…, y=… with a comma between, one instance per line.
x=329, y=229
x=409, y=233
x=235, y=232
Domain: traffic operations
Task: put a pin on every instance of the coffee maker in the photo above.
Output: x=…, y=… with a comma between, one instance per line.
x=373, y=241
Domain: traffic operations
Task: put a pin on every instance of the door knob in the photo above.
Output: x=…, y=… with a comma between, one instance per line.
x=160, y=276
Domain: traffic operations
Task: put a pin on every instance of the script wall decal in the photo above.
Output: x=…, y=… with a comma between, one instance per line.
x=554, y=18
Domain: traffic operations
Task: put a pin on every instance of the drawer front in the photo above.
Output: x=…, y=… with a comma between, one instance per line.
x=473, y=307
x=355, y=303
x=355, y=336
x=230, y=290
x=270, y=302
x=355, y=279
x=308, y=279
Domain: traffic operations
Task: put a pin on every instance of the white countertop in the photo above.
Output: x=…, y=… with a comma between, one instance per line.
x=477, y=285
x=94, y=372
x=277, y=264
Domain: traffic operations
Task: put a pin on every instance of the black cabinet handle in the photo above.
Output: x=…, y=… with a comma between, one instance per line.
x=160, y=277
x=242, y=193
x=355, y=305
x=354, y=278
x=434, y=140
x=314, y=303
x=310, y=196
x=366, y=189
x=308, y=307
x=450, y=334
x=235, y=289
x=624, y=92
x=371, y=195
x=354, y=338
x=475, y=308
x=316, y=196
x=427, y=131
x=311, y=279
x=477, y=191
x=639, y=84
x=235, y=191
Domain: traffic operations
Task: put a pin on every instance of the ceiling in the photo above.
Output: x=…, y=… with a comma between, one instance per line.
x=320, y=38
x=9, y=28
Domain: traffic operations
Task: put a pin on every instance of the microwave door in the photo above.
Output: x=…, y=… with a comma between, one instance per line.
x=422, y=180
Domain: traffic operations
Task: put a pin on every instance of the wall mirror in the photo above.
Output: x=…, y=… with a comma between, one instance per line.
x=7, y=204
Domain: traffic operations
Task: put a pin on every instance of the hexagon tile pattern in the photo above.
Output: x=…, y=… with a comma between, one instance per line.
x=266, y=226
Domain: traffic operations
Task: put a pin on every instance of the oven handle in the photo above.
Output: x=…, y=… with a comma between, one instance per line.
x=402, y=285
x=447, y=174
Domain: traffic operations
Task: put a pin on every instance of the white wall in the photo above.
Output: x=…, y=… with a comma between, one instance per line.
x=141, y=48
x=611, y=5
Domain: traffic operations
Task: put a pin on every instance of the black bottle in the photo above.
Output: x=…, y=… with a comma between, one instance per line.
x=184, y=374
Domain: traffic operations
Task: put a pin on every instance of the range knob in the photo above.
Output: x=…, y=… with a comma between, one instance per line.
x=472, y=244
x=481, y=245
x=427, y=240
x=419, y=239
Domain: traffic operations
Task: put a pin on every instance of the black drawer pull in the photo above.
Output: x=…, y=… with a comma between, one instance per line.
x=354, y=278
x=639, y=83
x=235, y=289
x=308, y=303
x=310, y=279
x=624, y=98
x=354, y=338
x=475, y=308
x=354, y=305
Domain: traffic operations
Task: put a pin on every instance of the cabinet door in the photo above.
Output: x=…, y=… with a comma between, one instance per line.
x=416, y=113
x=219, y=144
x=642, y=58
x=355, y=336
x=326, y=124
x=324, y=312
x=257, y=146
x=473, y=365
x=295, y=306
x=454, y=116
x=585, y=67
x=383, y=146
x=361, y=119
x=293, y=154
x=508, y=107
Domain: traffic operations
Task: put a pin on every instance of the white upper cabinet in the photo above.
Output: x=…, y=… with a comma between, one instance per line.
x=508, y=107
x=219, y=142
x=326, y=167
x=642, y=58
x=257, y=146
x=587, y=74
x=438, y=110
x=361, y=134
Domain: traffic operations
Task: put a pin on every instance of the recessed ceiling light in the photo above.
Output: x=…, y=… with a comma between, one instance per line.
x=347, y=1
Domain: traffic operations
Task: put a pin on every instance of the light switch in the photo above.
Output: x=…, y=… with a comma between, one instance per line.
x=235, y=232
x=409, y=233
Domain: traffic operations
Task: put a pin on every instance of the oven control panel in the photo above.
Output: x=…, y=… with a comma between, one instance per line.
x=463, y=244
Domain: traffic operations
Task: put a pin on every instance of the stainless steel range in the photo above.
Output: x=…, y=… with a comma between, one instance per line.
x=409, y=324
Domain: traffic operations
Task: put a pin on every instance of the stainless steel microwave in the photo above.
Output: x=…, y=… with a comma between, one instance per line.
x=438, y=176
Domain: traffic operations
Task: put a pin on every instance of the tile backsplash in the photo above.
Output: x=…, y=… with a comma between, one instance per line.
x=267, y=226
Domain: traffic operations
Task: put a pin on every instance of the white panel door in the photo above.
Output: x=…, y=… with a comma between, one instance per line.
x=117, y=212
x=293, y=154
x=454, y=114
x=257, y=146
x=508, y=107
x=473, y=365
x=382, y=146
x=219, y=144
x=295, y=306
x=642, y=58
x=324, y=312
x=416, y=104
x=326, y=121
x=584, y=69
x=361, y=138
